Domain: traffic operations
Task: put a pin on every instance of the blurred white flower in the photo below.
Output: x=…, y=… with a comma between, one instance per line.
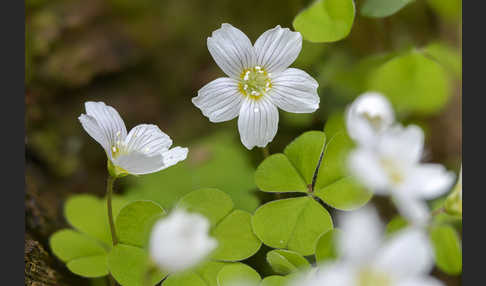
x=180, y=241
x=367, y=259
x=392, y=167
x=368, y=116
x=258, y=82
x=145, y=149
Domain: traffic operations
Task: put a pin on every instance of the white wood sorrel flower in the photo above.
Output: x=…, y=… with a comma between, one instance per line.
x=258, y=82
x=368, y=116
x=144, y=150
x=180, y=241
x=392, y=167
x=368, y=259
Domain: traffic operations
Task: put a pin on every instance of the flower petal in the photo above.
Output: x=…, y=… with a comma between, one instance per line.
x=232, y=50
x=295, y=91
x=368, y=116
x=137, y=163
x=420, y=281
x=258, y=122
x=407, y=254
x=94, y=130
x=174, y=155
x=109, y=121
x=361, y=234
x=415, y=210
x=147, y=139
x=363, y=163
x=277, y=48
x=404, y=143
x=219, y=100
x=430, y=181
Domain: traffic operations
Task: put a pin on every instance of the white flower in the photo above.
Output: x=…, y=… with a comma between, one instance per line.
x=145, y=149
x=367, y=259
x=259, y=82
x=393, y=167
x=369, y=116
x=180, y=241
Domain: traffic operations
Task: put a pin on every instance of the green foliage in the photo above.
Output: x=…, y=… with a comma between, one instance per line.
x=413, y=83
x=234, y=274
x=231, y=227
x=449, y=10
x=326, y=20
x=274, y=280
x=382, y=8
x=129, y=266
x=204, y=275
x=326, y=248
x=207, y=158
x=396, y=223
x=135, y=221
x=448, y=250
x=449, y=57
x=293, y=171
x=293, y=224
x=285, y=261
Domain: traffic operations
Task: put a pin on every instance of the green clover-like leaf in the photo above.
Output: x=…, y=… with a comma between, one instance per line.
x=135, y=220
x=203, y=275
x=286, y=261
x=129, y=266
x=413, y=83
x=274, y=280
x=326, y=20
x=448, y=251
x=234, y=274
x=293, y=224
x=295, y=169
x=382, y=8
x=396, y=223
x=232, y=228
x=326, y=248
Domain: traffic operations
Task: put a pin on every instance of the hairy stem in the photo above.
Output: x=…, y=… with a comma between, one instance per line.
x=265, y=152
x=109, y=192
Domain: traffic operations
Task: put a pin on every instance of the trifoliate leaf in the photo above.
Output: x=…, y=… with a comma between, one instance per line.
x=326, y=20
x=293, y=224
x=396, y=223
x=326, y=247
x=237, y=274
x=413, y=83
x=135, y=220
x=129, y=266
x=382, y=8
x=277, y=174
x=285, y=261
x=89, y=266
x=448, y=250
x=274, y=280
x=203, y=275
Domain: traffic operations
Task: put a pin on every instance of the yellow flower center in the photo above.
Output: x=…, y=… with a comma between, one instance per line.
x=394, y=172
x=375, y=121
x=254, y=82
x=371, y=277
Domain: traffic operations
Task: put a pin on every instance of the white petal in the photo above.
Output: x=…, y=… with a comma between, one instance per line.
x=404, y=143
x=295, y=91
x=277, y=48
x=108, y=119
x=335, y=274
x=136, y=163
x=174, y=155
x=431, y=180
x=232, y=50
x=368, y=116
x=94, y=130
x=364, y=164
x=219, y=100
x=258, y=122
x=420, y=281
x=147, y=139
x=407, y=254
x=415, y=210
x=361, y=234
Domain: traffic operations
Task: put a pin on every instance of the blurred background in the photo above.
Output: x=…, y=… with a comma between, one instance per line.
x=148, y=59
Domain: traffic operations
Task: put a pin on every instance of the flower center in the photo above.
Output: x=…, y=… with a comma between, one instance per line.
x=393, y=171
x=254, y=82
x=118, y=147
x=376, y=121
x=371, y=277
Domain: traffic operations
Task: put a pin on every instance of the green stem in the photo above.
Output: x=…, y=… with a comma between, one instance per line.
x=265, y=152
x=109, y=192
